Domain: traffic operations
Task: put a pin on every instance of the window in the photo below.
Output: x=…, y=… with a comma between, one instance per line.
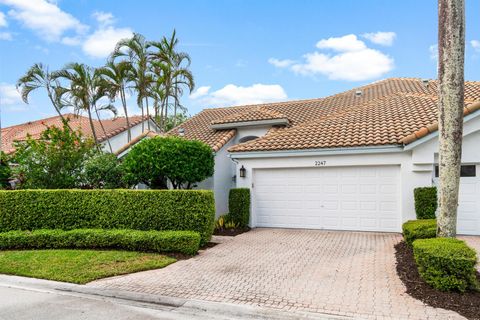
x=466, y=170
x=247, y=138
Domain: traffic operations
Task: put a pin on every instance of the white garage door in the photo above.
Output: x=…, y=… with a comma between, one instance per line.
x=337, y=198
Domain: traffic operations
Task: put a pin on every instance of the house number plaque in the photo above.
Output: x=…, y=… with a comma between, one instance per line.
x=320, y=163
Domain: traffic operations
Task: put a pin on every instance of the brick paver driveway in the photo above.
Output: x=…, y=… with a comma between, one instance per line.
x=342, y=273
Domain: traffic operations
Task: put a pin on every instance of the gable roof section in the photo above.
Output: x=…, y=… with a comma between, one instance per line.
x=384, y=113
x=35, y=128
x=254, y=114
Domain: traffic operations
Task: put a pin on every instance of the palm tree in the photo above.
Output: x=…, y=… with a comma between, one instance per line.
x=38, y=76
x=176, y=72
x=116, y=77
x=135, y=51
x=84, y=90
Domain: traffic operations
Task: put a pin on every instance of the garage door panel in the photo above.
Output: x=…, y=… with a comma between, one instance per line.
x=342, y=198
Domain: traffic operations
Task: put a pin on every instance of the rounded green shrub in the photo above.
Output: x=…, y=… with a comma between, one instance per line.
x=446, y=263
x=419, y=229
x=425, y=202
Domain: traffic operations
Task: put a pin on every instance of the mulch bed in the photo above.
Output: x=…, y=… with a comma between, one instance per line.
x=230, y=232
x=467, y=304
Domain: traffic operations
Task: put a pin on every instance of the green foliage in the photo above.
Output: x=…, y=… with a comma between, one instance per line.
x=103, y=171
x=53, y=161
x=5, y=171
x=192, y=210
x=446, y=263
x=132, y=240
x=419, y=229
x=425, y=202
x=172, y=121
x=225, y=222
x=239, y=206
x=183, y=162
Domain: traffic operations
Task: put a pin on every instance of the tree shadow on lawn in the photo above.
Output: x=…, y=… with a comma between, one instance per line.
x=467, y=304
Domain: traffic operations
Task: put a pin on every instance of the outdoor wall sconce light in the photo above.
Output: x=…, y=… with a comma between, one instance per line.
x=243, y=172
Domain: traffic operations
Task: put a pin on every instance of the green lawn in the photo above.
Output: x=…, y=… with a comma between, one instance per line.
x=78, y=266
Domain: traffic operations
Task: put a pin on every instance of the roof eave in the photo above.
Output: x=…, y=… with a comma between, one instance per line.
x=239, y=124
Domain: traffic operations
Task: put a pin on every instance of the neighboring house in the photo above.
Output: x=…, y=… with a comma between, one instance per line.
x=116, y=131
x=346, y=162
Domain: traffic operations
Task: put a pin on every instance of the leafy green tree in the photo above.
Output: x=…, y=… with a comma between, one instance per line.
x=176, y=160
x=54, y=161
x=5, y=171
x=175, y=120
x=103, y=171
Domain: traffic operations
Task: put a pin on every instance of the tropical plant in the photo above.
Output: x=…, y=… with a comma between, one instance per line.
x=173, y=121
x=103, y=171
x=179, y=161
x=116, y=77
x=54, y=161
x=85, y=88
x=39, y=76
x=134, y=51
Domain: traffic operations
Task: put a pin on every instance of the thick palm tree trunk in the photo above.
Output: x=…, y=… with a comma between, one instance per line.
x=451, y=46
x=92, y=127
x=127, y=120
x=103, y=129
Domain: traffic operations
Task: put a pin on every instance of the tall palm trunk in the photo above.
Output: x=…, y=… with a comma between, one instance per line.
x=148, y=114
x=127, y=120
x=451, y=47
x=175, y=107
x=103, y=129
x=143, y=114
x=92, y=127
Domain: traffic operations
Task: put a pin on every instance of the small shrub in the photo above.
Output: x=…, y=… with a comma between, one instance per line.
x=419, y=229
x=225, y=222
x=103, y=171
x=425, y=202
x=192, y=210
x=239, y=206
x=446, y=263
x=186, y=242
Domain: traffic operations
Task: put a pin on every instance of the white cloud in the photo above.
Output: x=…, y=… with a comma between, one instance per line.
x=433, y=49
x=102, y=42
x=381, y=38
x=353, y=60
x=346, y=43
x=281, y=63
x=3, y=20
x=10, y=97
x=237, y=95
x=44, y=17
x=6, y=36
x=475, y=45
x=104, y=18
x=200, y=92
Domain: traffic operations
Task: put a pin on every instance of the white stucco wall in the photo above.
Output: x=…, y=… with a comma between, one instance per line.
x=416, y=163
x=121, y=139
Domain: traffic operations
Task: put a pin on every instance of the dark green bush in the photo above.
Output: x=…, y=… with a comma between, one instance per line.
x=419, y=229
x=134, y=240
x=239, y=206
x=425, y=202
x=446, y=263
x=192, y=210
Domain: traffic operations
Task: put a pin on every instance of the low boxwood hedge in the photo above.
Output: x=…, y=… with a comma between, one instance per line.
x=425, y=202
x=186, y=242
x=192, y=210
x=239, y=206
x=446, y=263
x=419, y=229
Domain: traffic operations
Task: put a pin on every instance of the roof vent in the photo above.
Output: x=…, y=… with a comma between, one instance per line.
x=358, y=93
x=181, y=132
x=425, y=82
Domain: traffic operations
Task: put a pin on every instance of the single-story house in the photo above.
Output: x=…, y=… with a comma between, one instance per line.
x=349, y=161
x=116, y=131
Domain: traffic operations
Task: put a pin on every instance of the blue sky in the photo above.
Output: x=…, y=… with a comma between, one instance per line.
x=243, y=51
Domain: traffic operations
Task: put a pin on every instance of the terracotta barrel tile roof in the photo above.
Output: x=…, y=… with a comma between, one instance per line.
x=384, y=113
x=35, y=128
x=251, y=114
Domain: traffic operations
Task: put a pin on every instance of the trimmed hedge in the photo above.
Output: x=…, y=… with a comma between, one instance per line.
x=425, y=202
x=419, y=229
x=186, y=242
x=446, y=263
x=239, y=206
x=192, y=210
